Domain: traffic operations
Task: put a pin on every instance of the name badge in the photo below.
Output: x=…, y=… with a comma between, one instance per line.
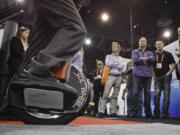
x=159, y=65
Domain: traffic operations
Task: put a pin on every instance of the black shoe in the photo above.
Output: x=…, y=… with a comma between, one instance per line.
x=149, y=117
x=156, y=113
x=61, y=73
x=29, y=79
x=4, y=105
x=156, y=116
x=131, y=115
x=114, y=115
x=101, y=115
x=164, y=116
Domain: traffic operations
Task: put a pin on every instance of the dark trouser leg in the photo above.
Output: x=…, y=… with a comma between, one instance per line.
x=135, y=95
x=166, y=84
x=64, y=35
x=3, y=86
x=158, y=90
x=140, y=104
x=39, y=39
x=96, y=100
x=129, y=100
x=147, y=96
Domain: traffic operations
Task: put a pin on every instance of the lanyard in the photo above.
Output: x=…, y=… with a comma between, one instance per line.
x=115, y=58
x=157, y=58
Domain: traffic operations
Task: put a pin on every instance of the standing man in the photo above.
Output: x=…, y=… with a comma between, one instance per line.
x=163, y=67
x=117, y=69
x=142, y=76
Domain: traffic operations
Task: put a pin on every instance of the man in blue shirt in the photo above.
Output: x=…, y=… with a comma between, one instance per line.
x=142, y=76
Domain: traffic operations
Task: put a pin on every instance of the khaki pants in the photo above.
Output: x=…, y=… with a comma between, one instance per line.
x=113, y=81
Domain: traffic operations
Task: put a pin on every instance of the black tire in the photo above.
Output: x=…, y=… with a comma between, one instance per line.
x=63, y=120
x=25, y=116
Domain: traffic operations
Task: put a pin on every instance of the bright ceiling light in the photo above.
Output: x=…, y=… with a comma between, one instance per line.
x=105, y=17
x=20, y=1
x=88, y=41
x=167, y=34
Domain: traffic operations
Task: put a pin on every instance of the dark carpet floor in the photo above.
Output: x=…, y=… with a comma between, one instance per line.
x=123, y=129
x=94, y=126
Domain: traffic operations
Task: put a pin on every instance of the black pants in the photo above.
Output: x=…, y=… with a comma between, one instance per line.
x=98, y=92
x=3, y=85
x=58, y=32
x=162, y=84
x=138, y=84
x=130, y=102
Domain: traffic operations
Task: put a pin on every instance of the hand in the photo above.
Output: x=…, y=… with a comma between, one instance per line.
x=144, y=59
x=168, y=74
x=97, y=77
x=125, y=72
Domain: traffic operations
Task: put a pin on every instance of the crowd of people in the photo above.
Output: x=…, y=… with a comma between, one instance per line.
x=143, y=67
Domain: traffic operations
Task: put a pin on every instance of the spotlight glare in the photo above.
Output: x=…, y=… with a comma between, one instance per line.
x=20, y=1
x=105, y=17
x=87, y=41
x=167, y=34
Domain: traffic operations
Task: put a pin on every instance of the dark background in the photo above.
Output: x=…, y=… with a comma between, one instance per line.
x=149, y=18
